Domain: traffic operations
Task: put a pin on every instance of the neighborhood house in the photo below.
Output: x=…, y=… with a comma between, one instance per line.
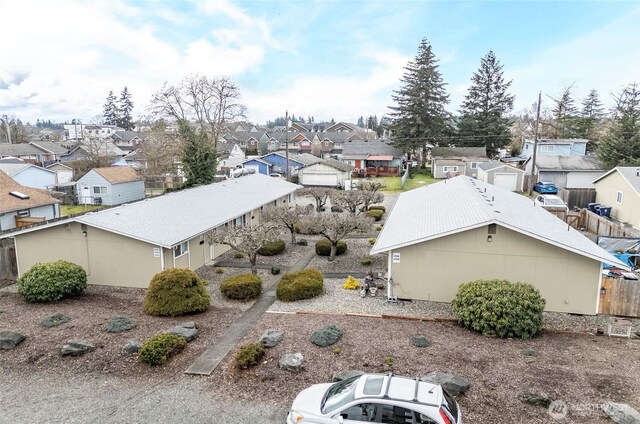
x=110, y=186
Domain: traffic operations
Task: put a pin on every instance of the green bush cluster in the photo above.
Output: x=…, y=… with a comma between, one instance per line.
x=158, y=349
x=242, y=287
x=366, y=262
x=249, y=355
x=51, y=281
x=219, y=270
x=372, y=241
x=238, y=255
x=176, y=291
x=272, y=248
x=499, y=308
x=375, y=214
x=323, y=247
x=300, y=285
x=377, y=208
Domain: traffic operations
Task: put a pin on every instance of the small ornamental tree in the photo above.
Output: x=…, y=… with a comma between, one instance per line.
x=335, y=226
x=285, y=216
x=319, y=195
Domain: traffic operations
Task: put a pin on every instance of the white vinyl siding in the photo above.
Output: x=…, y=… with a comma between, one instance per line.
x=99, y=190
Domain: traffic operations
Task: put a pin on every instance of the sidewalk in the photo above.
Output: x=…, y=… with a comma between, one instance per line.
x=206, y=363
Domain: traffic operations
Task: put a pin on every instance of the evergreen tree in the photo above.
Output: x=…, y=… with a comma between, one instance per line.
x=484, y=120
x=591, y=116
x=198, y=155
x=125, y=106
x=360, y=122
x=565, y=115
x=110, y=110
x=419, y=116
x=621, y=145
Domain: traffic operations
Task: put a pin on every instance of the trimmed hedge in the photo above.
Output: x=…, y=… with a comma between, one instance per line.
x=323, y=247
x=375, y=214
x=249, y=355
x=176, y=291
x=377, y=208
x=242, y=287
x=158, y=350
x=51, y=281
x=499, y=308
x=272, y=248
x=300, y=285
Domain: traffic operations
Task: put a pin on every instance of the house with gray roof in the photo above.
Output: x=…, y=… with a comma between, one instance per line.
x=327, y=173
x=362, y=154
x=620, y=189
x=569, y=172
x=128, y=244
x=468, y=230
x=451, y=161
x=502, y=175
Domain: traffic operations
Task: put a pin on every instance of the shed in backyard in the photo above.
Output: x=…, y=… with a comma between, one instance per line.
x=110, y=186
x=328, y=173
x=501, y=175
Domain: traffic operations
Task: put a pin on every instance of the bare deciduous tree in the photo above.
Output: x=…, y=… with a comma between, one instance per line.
x=286, y=216
x=160, y=150
x=335, y=226
x=355, y=201
x=210, y=102
x=372, y=186
x=319, y=194
x=247, y=239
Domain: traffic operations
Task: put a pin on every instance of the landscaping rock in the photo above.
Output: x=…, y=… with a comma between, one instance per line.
x=452, y=383
x=271, y=337
x=131, y=347
x=529, y=352
x=621, y=413
x=188, y=333
x=57, y=319
x=120, y=325
x=76, y=348
x=420, y=341
x=302, y=242
x=10, y=339
x=187, y=324
x=326, y=336
x=535, y=399
x=346, y=374
x=292, y=362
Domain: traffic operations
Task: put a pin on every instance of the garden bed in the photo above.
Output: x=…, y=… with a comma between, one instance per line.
x=350, y=262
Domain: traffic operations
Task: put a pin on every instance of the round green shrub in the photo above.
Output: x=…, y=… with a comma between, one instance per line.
x=275, y=270
x=375, y=214
x=323, y=247
x=158, y=349
x=300, y=285
x=377, y=208
x=499, y=308
x=366, y=262
x=51, y=281
x=272, y=248
x=219, y=270
x=176, y=291
x=238, y=255
x=241, y=287
x=249, y=355
x=372, y=241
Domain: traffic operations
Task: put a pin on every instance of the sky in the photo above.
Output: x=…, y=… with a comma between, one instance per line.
x=326, y=59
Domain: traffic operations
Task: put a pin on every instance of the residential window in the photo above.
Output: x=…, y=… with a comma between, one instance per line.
x=474, y=165
x=99, y=190
x=23, y=213
x=450, y=169
x=491, y=229
x=181, y=249
x=239, y=222
x=619, y=197
x=547, y=149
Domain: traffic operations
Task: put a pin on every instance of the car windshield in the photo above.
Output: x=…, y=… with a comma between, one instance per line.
x=553, y=201
x=546, y=184
x=339, y=395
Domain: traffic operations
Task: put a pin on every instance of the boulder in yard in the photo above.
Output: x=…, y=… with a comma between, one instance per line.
x=188, y=333
x=420, y=341
x=326, y=336
x=535, y=399
x=346, y=374
x=54, y=320
x=292, y=362
x=529, y=352
x=454, y=384
x=120, y=324
x=132, y=346
x=271, y=337
x=621, y=413
x=76, y=348
x=10, y=339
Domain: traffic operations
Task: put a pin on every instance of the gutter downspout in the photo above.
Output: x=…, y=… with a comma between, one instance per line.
x=161, y=258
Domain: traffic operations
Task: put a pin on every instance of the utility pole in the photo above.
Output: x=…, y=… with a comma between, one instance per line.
x=535, y=146
x=286, y=142
x=6, y=124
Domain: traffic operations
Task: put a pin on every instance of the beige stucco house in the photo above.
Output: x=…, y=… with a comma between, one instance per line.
x=127, y=245
x=620, y=189
x=463, y=229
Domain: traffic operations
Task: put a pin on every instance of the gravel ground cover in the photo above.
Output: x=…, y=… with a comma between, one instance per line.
x=357, y=250
x=577, y=368
x=287, y=258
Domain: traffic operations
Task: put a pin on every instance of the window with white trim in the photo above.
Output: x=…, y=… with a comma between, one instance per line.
x=474, y=165
x=181, y=249
x=619, y=197
x=450, y=169
x=99, y=190
x=23, y=213
x=239, y=222
x=547, y=148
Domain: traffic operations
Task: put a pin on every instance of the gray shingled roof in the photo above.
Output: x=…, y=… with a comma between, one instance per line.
x=20, y=149
x=175, y=217
x=50, y=146
x=493, y=164
x=459, y=152
x=630, y=173
x=464, y=203
x=377, y=147
x=337, y=164
x=569, y=163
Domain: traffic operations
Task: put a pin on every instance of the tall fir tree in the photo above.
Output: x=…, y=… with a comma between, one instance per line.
x=419, y=116
x=110, y=110
x=484, y=112
x=360, y=122
x=621, y=144
x=198, y=155
x=565, y=114
x=591, y=117
x=125, y=107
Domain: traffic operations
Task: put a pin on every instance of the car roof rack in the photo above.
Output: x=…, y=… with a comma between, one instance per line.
x=386, y=389
x=415, y=393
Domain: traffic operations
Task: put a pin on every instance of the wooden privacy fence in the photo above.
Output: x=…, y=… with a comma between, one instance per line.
x=620, y=297
x=8, y=263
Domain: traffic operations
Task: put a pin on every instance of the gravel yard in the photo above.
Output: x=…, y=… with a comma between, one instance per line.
x=287, y=258
x=357, y=250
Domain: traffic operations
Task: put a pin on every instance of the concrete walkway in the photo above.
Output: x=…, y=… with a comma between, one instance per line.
x=206, y=363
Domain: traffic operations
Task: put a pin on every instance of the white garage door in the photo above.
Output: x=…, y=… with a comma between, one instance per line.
x=319, y=179
x=506, y=181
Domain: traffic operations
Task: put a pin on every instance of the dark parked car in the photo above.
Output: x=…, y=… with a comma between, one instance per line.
x=545, y=187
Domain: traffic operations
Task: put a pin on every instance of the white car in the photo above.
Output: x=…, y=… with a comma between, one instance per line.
x=375, y=398
x=551, y=201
